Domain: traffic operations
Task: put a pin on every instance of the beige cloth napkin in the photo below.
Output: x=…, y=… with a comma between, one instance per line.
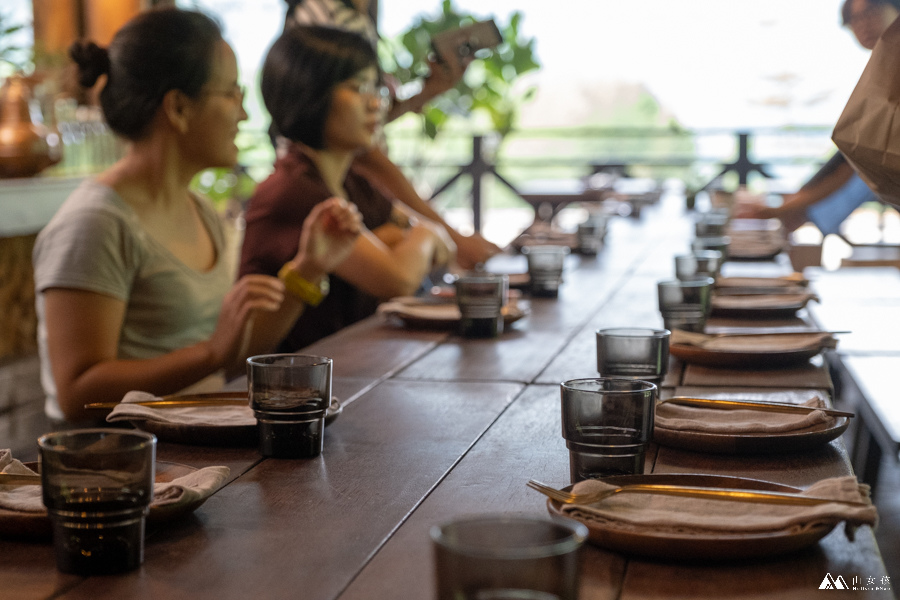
x=24, y=498
x=755, y=343
x=806, y=376
x=710, y=420
x=755, y=243
x=760, y=301
x=673, y=514
x=414, y=308
x=223, y=416
x=193, y=487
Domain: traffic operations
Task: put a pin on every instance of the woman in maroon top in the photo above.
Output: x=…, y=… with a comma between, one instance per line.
x=320, y=86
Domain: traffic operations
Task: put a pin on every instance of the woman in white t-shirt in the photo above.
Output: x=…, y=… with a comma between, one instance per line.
x=134, y=290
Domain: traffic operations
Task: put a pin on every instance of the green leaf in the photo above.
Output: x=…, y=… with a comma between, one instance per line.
x=486, y=93
x=430, y=128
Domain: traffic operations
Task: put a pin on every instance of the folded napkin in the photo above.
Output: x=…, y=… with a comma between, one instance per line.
x=416, y=308
x=751, y=301
x=24, y=498
x=223, y=416
x=804, y=376
x=780, y=342
x=193, y=487
x=190, y=488
x=756, y=241
x=411, y=307
x=674, y=514
x=723, y=421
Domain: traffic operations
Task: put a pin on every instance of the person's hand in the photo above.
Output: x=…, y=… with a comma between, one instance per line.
x=444, y=247
x=329, y=233
x=756, y=211
x=473, y=249
x=249, y=294
x=791, y=213
x=443, y=76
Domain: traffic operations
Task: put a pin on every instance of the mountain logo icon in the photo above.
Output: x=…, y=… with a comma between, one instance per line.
x=831, y=583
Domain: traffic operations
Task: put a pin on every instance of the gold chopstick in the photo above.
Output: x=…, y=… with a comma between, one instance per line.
x=754, y=405
x=19, y=479
x=179, y=401
x=734, y=495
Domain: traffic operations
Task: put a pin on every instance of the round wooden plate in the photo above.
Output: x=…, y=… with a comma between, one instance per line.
x=742, y=359
x=788, y=442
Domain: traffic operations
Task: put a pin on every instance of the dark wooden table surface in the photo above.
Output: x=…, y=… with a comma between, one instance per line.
x=436, y=427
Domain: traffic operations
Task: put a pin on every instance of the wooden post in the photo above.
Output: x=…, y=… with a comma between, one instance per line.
x=58, y=23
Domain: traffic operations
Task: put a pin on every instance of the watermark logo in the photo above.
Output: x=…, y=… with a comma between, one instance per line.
x=859, y=583
x=831, y=583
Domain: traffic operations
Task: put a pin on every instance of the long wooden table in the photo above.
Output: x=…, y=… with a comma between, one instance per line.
x=435, y=427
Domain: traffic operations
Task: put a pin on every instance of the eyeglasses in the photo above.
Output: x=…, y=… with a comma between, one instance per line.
x=370, y=89
x=237, y=92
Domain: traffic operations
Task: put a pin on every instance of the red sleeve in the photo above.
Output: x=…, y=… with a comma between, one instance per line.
x=275, y=215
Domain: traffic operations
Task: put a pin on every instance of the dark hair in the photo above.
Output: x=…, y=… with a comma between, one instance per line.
x=155, y=52
x=299, y=75
x=846, y=15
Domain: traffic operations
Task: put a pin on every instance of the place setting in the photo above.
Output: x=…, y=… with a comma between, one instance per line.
x=482, y=304
x=747, y=350
x=443, y=310
x=608, y=425
x=237, y=418
x=610, y=422
x=756, y=239
x=93, y=492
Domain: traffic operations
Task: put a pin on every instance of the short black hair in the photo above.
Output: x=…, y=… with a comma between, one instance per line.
x=299, y=75
x=846, y=15
x=155, y=52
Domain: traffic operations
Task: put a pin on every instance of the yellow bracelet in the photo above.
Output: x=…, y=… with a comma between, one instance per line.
x=301, y=289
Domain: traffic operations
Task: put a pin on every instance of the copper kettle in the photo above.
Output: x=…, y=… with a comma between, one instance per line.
x=27, y=146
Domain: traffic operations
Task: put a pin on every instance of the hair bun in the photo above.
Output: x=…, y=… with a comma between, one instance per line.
x=92, y=61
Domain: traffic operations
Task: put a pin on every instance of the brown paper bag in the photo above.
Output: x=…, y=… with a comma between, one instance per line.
x=868, y=132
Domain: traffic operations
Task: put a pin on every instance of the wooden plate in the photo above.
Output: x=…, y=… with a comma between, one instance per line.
x=699, y=546
x=787, y=442
x=754, y=252
x=759, y=306
x=36, y=525
x=218, y=435
x=759, y=282
x=773, y=359
x=443, y=316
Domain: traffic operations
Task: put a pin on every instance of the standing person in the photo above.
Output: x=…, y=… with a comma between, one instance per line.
x=320, y=86
x=134, y=288
x=353, y=15
x=835, y=190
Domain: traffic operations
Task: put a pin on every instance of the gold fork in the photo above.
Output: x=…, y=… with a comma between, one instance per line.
x=734, y=495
